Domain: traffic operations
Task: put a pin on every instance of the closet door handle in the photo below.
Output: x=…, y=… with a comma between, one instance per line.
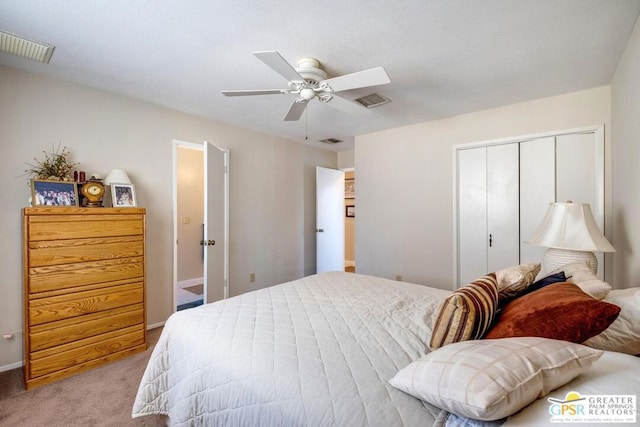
x=490, y=240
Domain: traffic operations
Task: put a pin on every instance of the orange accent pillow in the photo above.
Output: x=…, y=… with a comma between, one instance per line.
x=561, y=311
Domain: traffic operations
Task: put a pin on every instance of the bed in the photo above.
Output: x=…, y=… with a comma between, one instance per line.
x=317, y=351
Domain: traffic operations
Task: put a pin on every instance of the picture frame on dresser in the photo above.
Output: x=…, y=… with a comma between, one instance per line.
x=54, y=193
x=123, y=195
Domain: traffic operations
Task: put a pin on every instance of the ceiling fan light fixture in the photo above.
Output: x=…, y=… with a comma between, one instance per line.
x=373, y=100
x=307, y=94
x=325, y=97
x=19, y=46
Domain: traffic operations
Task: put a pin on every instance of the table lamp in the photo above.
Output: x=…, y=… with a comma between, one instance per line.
x=117, y=176
x=571, y=234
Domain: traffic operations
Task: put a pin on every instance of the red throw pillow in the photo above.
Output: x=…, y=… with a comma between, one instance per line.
x=561, y=311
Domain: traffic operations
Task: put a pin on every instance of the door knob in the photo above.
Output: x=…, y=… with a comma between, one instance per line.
x=207, y=242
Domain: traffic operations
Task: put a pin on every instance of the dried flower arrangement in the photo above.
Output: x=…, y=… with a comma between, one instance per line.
x=56, y=166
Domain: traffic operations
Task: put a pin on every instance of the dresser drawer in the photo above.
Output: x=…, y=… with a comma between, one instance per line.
x=49, y=278
x=54, y=252
x=58, y=227
x=62, y=332
x=51, y=309
x=47, y=361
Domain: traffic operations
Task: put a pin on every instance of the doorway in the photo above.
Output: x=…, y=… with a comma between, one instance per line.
x=200, y=223
x=335, y=220
x=350, y=220
x=189, y=286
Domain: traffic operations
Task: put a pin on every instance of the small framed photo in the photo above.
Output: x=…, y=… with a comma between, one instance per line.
x=123, y=195
x=53, y=193
x=349, y=188
x=350, y=211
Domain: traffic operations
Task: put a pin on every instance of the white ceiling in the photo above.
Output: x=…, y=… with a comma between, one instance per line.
x=443, y=57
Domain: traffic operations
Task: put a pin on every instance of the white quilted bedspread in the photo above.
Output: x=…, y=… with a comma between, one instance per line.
x=313, y=352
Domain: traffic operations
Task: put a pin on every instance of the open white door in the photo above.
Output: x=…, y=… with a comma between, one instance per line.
x=216, y=216
x=329, y=220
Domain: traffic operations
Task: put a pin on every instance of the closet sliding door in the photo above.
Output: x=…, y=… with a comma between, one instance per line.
x=505, y=187
x=503, y=202
x=488, y=210
x=580, y=177
x=472, y=214
x=537, y=190
x=557, y=169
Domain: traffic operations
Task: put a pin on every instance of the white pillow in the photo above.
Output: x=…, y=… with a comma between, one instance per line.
x=623, y=335
x=615, y=373
x=492, y=379
x=580, y=274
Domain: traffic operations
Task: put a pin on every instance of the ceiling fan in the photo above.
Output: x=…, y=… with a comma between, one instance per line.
x=309, y=81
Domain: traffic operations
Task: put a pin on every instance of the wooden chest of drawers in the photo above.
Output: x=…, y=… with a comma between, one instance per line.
x=84, y=289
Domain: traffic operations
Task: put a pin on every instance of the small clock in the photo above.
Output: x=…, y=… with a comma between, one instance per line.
x=93, y=191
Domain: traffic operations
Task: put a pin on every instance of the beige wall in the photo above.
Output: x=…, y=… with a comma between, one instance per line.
x=405, y=181
x=272, y=184
x=625, y=107
x=346, y=159
x=190, y=165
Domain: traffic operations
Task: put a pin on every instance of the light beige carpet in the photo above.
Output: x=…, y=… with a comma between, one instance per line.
x=100, y=397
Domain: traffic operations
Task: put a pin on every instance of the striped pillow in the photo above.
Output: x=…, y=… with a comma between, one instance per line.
x=467, y=313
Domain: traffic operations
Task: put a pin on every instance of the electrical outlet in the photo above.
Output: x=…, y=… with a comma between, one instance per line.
x=252, y=277
x=399, y=277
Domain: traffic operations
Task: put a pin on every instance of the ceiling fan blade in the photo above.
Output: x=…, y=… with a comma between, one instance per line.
x=346, y=106
x=274, y=60
x=371, y=77
x=295, y=111
x=254, y=92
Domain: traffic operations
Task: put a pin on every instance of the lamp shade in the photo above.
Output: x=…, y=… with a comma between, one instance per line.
x=117, y=176
x=570, y=226
x=571, y=234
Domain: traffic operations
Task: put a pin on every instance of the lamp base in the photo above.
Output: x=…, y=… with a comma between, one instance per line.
x=556, y=258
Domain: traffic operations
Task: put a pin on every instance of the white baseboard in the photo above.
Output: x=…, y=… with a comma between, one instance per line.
x=20, y=364
x=11, y=366
x=155, y=325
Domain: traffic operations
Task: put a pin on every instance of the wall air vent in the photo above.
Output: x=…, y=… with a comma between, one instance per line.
x=373, y=100
x=331, y=141
x=19, y=46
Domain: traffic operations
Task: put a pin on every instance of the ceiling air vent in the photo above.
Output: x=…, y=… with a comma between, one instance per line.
x=331, y=141
x=373, y=100
x=19, y=46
